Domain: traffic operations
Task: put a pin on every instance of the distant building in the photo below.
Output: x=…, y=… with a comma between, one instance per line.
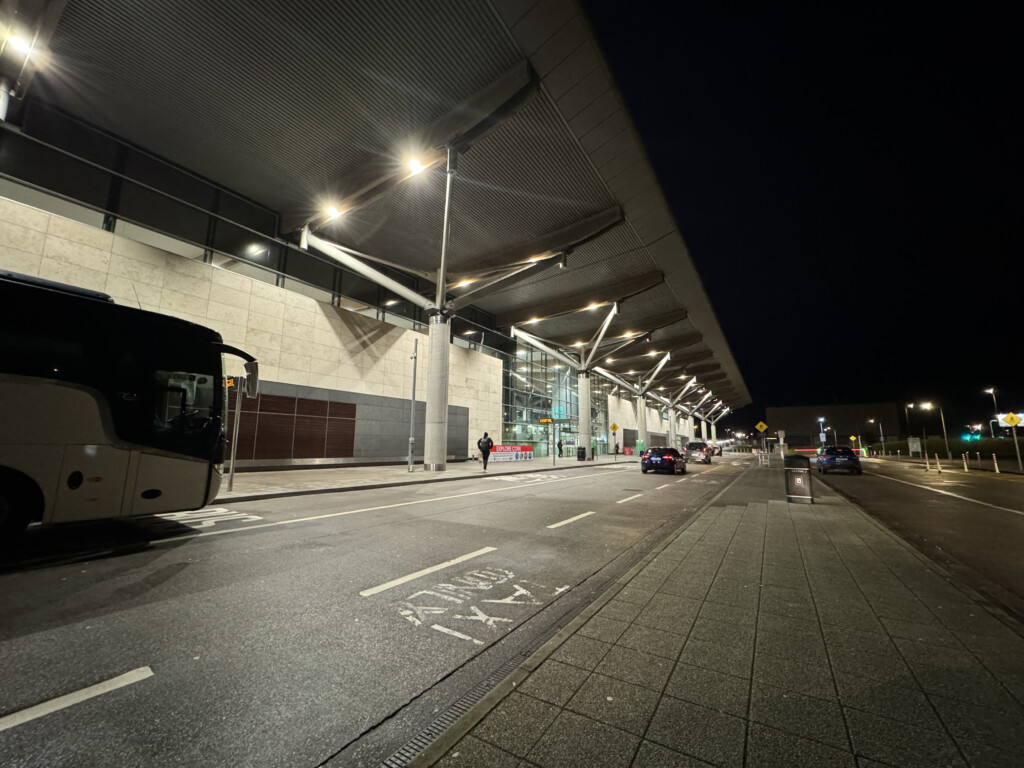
x=803, y=428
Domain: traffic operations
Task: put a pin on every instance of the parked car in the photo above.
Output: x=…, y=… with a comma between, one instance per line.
x=838, y=457
x=699, y=452
x=662, y=460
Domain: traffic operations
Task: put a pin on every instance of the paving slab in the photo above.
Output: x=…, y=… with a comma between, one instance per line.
x=768, y=634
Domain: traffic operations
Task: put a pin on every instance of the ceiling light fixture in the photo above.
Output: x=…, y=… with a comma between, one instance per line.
x=19, y=44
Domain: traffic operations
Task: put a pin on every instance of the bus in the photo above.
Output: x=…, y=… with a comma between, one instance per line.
x=105, y=410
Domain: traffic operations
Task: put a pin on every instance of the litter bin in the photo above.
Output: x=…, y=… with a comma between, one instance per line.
x=581, y=453
x=798, y=480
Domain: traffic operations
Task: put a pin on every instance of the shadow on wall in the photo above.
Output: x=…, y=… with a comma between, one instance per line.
x=368, y=334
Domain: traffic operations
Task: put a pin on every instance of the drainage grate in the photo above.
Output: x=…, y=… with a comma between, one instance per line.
x=447, y=719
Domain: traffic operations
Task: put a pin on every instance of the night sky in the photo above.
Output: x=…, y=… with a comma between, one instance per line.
x=848, y=183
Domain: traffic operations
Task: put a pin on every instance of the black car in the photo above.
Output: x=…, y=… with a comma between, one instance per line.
x=662, y=460
x=699, y=452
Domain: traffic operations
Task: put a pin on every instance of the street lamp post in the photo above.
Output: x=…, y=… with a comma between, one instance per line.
x=821, y=429
x=906, y=412
x=992, y=391
x=881, y=434
x=942, y=416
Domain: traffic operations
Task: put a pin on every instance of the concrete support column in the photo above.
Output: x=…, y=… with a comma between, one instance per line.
x=641, y=420
x=583, y=425
x=714, y=433
x=435, y=439
x=672, y=440
x=693, y=427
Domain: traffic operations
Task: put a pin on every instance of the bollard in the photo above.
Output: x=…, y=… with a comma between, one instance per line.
x=897, y=455
x=938, y=467
x=926, y=465
x=964, y=457
x=995, y=463
x=979, y=458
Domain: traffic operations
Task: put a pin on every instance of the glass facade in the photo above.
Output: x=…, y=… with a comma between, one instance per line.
x=536, y=386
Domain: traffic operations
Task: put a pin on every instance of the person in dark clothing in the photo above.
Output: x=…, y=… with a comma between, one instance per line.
x=559, y=447
x=485, y=444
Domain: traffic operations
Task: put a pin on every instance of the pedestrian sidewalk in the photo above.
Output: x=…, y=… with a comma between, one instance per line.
x=297, y=482
x=764, y=634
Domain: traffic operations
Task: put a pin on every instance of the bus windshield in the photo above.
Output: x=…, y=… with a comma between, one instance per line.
x=161, y=377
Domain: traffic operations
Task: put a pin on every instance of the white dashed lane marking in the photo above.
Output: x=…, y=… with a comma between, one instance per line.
x=70, y=699
x=570, y=520
x=629, y=498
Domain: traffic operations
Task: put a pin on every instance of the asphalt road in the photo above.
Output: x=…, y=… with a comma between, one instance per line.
x=972, y=523
x=312, y=630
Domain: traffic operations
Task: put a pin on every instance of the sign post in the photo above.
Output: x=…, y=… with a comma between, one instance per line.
x=552, y=440
x=615, y=429
x=1013, y=420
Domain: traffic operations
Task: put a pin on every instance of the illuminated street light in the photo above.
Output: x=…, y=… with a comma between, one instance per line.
x=942, y=416
x=415, y=166
x=881, y=432
x=992, y=391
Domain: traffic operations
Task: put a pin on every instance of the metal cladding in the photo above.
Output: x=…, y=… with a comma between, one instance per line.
x=299, y=105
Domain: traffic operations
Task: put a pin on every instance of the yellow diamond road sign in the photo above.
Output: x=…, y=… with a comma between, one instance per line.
x=760, y=426
x=1012, y=419
x=615, y=427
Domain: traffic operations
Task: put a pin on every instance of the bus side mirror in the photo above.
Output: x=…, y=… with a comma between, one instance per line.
x=252, y=378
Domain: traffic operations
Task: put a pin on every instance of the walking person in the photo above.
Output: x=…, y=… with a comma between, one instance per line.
x=559, y=447
x=485, y=444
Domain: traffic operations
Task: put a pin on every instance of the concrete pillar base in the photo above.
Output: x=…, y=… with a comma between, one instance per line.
x=435, y=438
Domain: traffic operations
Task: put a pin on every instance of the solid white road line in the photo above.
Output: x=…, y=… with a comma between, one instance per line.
x=629, y=498
x=63, y=702
x=570, y=520
x=425, y=571
x=949, y=493
x=518, y=488
x=666, y=485
x=681, y=479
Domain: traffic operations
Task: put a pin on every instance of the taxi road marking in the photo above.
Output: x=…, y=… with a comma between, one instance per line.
x=570, y=520
x=425, y=571
x=629, y=498
x=63, y=702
